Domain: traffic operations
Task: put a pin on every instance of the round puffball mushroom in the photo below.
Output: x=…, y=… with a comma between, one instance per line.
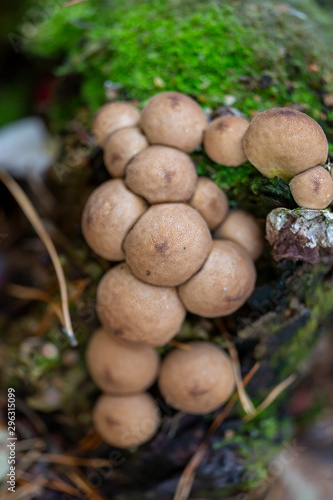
x=313, y=188
x=162, y=174
x=198, y=380
x=223, y=140
x=126, y=421
x=210, y=201
x=137, y=311
x=111, y=117
x=284, y=142
x=110, y=212
x=121, y=147
x=173, y=119
x=168, y=244
x=242, y=228
x=223, y=284
x=120, y=367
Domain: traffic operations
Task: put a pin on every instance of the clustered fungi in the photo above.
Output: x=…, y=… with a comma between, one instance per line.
x=286, y=143
x=155, y=218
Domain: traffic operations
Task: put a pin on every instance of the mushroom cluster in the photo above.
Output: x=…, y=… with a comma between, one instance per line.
x=178, y=249
x=286, y=143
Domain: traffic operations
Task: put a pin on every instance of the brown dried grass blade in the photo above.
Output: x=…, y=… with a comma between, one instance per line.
x=243, y=397
x=186, y=480
x=29, y=293
x=76, y=476
x=180, y=345
x=275, y=393
x=74, y=461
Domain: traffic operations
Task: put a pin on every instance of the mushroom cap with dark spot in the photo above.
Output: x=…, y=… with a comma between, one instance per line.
x=210, y=201
x=111, y=117
x=196, y=380
x=120, y=367
x=136, y=311
x=126, y=421
x=223, y=284
x=313, y=188
x=168, y=244
x=223, y=140
x=284, y=142
x=242, y=228
x=121, y=147
x=110, y=212
x=162, y=174
x=173, y=119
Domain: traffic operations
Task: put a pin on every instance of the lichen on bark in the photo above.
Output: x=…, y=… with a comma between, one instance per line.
x=300, y=234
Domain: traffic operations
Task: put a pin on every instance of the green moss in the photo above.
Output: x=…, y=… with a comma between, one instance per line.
x=205, y=49
x=319, y=300
x=257, y=443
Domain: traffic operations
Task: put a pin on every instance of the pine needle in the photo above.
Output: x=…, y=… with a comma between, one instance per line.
x=275, y=393
x=180, y=345
x=243, y=397
x=37, y=224
x=186, y=480
x=29, y=293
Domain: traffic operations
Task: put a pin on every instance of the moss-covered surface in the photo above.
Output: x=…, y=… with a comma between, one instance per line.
x=263, y=55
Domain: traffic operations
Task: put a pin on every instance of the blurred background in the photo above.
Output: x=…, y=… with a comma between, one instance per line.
x=59, y=62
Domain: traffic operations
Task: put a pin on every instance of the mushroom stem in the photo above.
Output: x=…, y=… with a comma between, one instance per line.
x=37, y=224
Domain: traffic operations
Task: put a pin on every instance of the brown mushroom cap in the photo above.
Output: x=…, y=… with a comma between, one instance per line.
x=198, y=380
x=242, y=228
x=121, y=147
x=110, y=212
x=168, y=244
x=223, y=140
x=210, y=201
x=120, y=367
x=313, y=188
x=111, y=117
x=126, y=421
x=173, y=119
x=284, y=142
x=162, y=174
x=136, y=311
x=223, y=284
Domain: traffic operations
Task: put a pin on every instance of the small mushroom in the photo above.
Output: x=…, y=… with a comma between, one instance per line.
x=196, y=380
x=313, y=188
x=121, y=147
x=137, y=311
x=223, y=284
x=120, y=367
x=126, y=421
x=210, y=201
x=168, y=244
x=110, y=212
x=242, y=228
x=111, y=117
x=174, y=119
x=284, y=142
x=162, y=174
x=223, y=140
